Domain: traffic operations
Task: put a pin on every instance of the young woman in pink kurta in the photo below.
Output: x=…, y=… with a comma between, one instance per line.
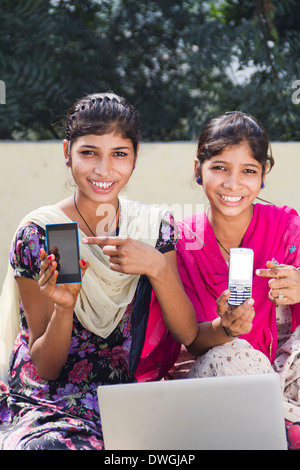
x=232, y=161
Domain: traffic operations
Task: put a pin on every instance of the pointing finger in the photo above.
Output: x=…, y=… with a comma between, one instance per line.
x=278, y=272
x=102, y=241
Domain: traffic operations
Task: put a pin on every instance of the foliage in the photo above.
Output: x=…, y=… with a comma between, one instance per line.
x=179, y=61
x=267, y=39
x=48, y=58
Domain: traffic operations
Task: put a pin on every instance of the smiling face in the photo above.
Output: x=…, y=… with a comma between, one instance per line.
x=101, y=166
x=232, y=180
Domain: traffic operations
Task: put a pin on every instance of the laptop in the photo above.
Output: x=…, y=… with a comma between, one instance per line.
x=215, y=413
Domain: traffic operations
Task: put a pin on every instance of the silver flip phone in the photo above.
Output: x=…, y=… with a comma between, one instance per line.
x=240, y=275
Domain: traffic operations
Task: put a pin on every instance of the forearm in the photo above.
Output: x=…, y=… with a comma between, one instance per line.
x=49, y=352
x=178, y=311
x=209, y=334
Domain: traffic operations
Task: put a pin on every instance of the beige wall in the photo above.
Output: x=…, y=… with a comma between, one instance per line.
x=34, y=174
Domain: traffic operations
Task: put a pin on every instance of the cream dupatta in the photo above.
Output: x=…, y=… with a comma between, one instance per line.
x=105, y=294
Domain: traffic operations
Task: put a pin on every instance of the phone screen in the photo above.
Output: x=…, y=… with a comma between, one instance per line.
x=65, y=238
x=241, y=266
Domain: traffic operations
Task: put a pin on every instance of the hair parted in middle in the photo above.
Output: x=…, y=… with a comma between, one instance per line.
x=102, y=113
x=231, y=129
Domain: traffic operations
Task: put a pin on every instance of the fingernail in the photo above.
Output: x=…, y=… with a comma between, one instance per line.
x=258, y=272
x=49, y=257
x=83, y=262
x=250, y=301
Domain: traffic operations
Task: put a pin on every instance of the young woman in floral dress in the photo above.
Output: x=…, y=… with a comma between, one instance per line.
x=73, y=338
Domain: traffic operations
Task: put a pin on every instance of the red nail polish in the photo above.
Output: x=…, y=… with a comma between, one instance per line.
x=83, y=262
x=49, y=257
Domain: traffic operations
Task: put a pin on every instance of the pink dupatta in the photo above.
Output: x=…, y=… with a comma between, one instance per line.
x=160, y=350
x=273, y=234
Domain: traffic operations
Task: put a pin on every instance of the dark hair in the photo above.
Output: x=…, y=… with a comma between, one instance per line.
x=100, y=114
x=231, y=129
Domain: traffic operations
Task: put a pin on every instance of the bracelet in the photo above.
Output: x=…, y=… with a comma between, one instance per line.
x=228, y=334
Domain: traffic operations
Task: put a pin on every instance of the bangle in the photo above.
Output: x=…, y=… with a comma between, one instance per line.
x=228, y=334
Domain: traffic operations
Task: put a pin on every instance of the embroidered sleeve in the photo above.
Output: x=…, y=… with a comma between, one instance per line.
x=24, y=255
x=167, y=234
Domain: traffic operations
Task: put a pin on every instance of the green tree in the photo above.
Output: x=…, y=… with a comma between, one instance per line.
x=50, y=54
x=180, y=62
x=154, y=52
x=267, y=39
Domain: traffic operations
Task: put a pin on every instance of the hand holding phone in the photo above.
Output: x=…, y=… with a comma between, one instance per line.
x=236, y=320
x=240, y=275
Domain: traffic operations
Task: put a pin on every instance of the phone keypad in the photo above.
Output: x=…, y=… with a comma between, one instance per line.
x=239, y=294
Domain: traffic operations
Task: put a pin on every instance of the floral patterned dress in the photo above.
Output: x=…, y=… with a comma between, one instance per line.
x=63, y=414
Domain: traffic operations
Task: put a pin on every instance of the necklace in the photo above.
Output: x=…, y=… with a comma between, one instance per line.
x=117, y=211
x=222, y=246
x=226, y=251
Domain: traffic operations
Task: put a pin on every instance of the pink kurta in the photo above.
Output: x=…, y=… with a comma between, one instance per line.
x=273, y=234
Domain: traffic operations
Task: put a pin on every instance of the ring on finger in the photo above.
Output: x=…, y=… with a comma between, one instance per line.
x=280, y=296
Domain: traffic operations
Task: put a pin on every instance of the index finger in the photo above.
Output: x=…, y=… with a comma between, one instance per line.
x=277, y=272
x=103, y=241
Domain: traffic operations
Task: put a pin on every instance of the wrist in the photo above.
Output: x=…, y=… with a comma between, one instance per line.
x=64, y=311
x=222, y=332
x=228, y=333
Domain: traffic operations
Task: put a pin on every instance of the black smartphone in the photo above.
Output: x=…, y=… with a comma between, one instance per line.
x=66, y=239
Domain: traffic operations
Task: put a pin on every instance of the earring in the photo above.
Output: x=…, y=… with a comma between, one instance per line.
x=199, y=180
x=67, y=162
x=262, y=184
